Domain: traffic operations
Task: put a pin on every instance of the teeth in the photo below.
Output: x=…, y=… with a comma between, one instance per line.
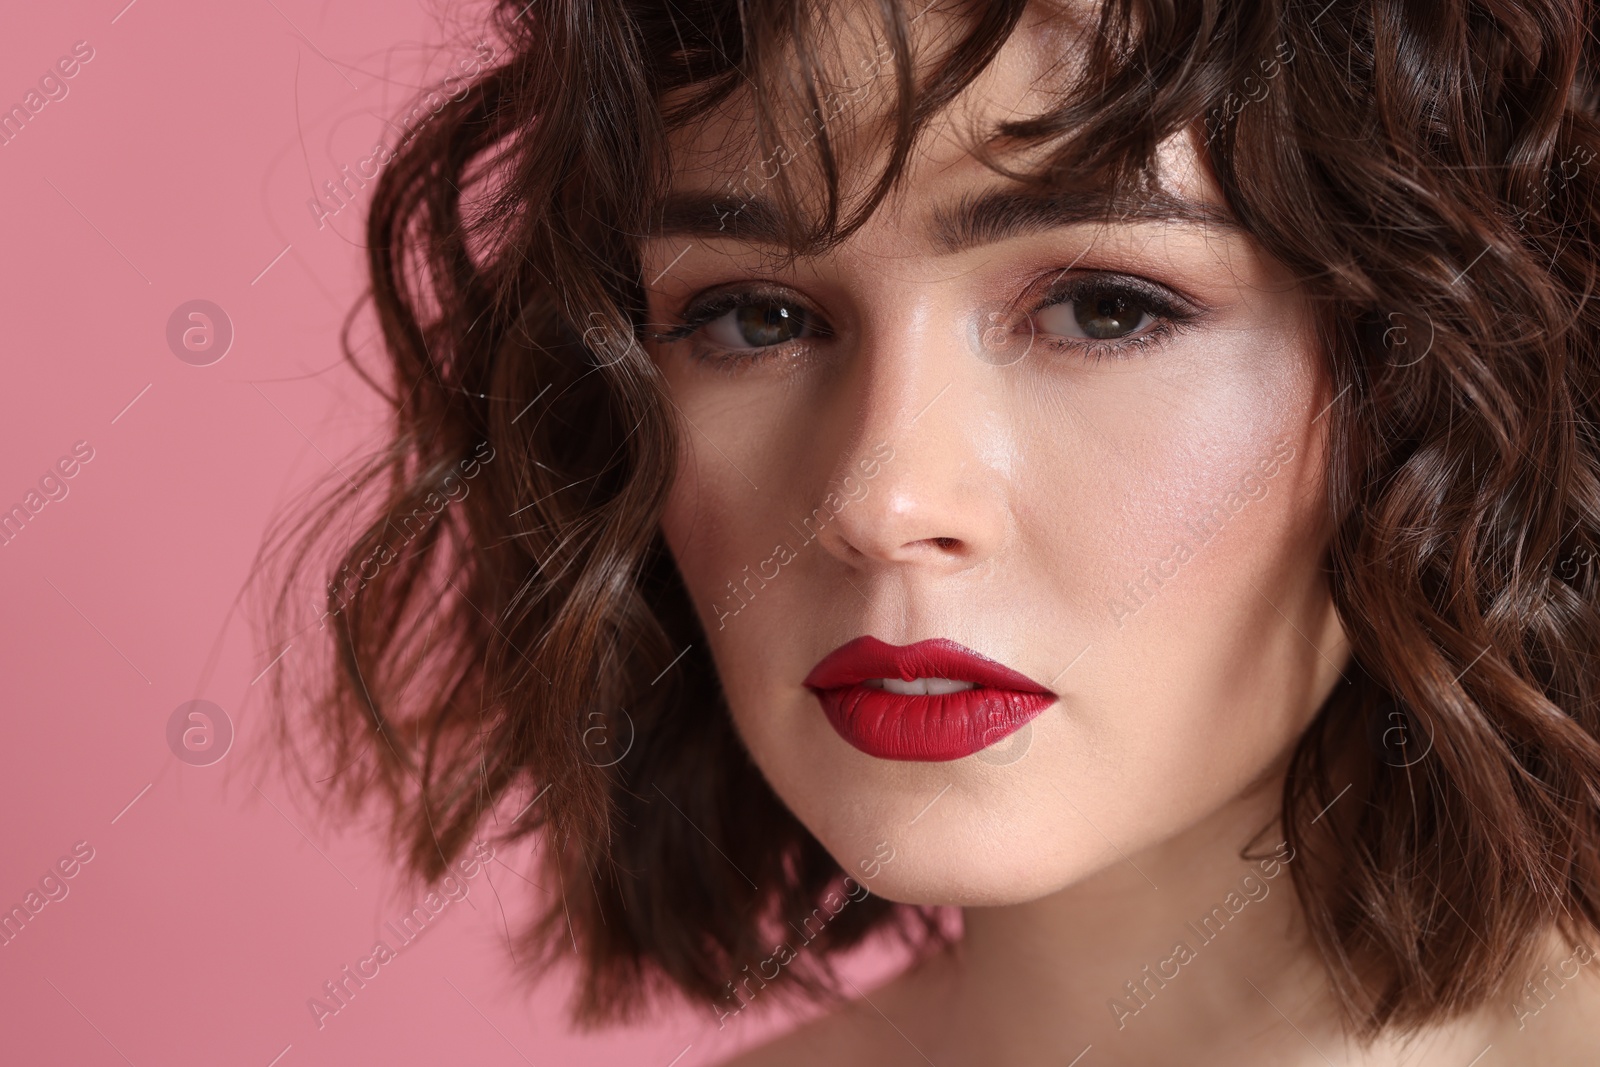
x=918, y=687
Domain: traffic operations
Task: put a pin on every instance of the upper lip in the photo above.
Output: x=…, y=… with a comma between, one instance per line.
x=866, y=658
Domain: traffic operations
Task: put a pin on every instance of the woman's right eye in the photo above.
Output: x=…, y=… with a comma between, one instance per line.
x=760, y=324
x=744, y=323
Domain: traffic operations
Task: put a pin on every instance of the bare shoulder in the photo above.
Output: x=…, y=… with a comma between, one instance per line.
x=1554, y=1018
x=841, y=1038
x=876, y=1029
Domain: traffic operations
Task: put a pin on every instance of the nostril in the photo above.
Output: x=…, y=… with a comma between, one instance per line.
x=946, y=542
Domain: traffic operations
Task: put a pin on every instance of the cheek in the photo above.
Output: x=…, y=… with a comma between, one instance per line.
x=723, y=518
x=724, y=538
x=1178, y=483
x=1207, y=630
x=732, y=502
x=697, y=524
x=697, y=521
x=712, y=527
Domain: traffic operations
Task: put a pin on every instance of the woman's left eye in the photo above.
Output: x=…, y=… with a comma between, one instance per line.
x=1102, y=316
x=1104, y=310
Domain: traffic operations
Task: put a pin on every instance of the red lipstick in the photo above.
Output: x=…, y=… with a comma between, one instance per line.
x=923, y=726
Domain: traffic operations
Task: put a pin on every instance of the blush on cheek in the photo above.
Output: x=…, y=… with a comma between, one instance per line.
x=1236, y=506
x=702, y=526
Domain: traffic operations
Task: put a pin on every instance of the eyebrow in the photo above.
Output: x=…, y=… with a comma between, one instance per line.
x=998, y=216
x=972, y=221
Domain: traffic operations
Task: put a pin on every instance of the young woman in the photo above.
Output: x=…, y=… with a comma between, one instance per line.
x=1126, y=472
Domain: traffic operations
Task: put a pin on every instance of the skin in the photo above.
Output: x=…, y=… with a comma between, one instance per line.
x=1033, y=476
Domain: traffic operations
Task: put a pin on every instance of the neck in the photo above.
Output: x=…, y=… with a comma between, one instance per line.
x=1185, y=952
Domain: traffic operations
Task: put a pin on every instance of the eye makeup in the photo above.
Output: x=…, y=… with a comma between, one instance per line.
x=1097, y=314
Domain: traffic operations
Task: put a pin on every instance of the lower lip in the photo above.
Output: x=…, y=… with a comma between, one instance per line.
x=928, y=729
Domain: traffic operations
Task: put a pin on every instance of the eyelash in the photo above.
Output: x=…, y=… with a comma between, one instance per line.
x=717, y=305
x=1172, y=315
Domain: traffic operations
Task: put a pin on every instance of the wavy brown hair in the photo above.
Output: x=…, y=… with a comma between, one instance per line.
x=1427, y=170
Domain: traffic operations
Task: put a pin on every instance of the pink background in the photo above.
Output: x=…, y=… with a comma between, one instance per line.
x=178, y=167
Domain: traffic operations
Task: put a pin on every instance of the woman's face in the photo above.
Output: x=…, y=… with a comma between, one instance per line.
x=1087, y=449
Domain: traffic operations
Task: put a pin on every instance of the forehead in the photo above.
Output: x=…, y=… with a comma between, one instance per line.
x=730, y=168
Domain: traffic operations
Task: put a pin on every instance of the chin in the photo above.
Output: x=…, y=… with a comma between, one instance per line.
x=965, y=833
x=961, y=869
x=964, y=887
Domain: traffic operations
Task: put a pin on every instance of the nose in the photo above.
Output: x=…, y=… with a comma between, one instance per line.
x=923, y=482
